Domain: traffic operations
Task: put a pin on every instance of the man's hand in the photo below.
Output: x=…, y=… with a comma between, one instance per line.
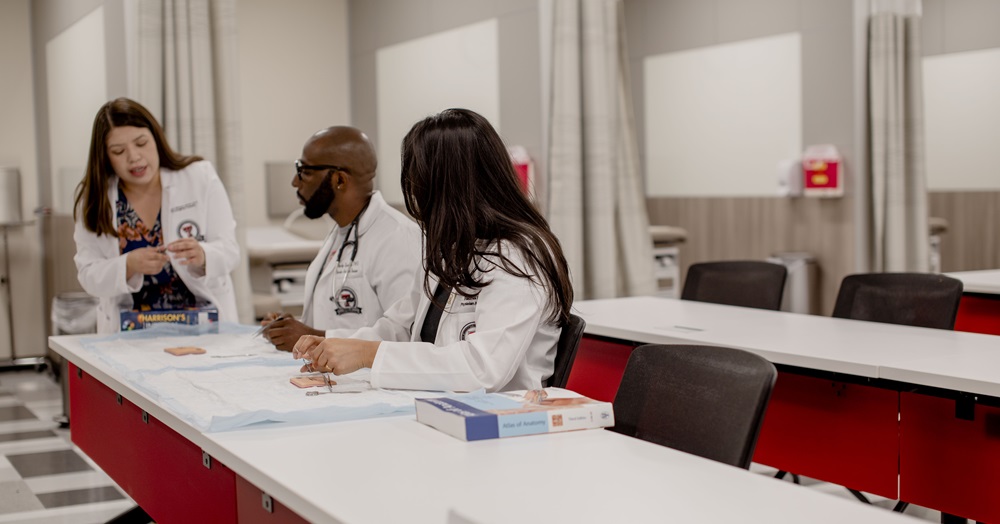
x=284, y=331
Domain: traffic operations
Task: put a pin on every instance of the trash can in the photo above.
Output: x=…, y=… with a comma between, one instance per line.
x=73, y=313
x=802, y=285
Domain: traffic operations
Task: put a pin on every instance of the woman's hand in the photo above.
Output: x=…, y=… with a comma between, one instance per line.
x=339, y=355
x=145, y=261
x=188, y=252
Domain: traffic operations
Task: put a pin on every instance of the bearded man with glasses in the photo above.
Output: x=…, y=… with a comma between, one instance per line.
x=348, y=285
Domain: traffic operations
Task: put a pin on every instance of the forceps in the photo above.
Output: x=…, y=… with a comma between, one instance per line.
x=329, y=387
x=326, y=380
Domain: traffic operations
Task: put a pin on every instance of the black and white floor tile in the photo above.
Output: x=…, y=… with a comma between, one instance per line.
x=44, y=479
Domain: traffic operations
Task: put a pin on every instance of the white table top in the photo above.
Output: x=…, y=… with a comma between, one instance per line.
x=931, y=357
x=985, y=281
x=397, y=470
x=277, y=245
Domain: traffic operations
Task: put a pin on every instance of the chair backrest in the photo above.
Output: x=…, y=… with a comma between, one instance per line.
x=747, y=283
x=569, y=340
x=912, y=299
x=704, y=400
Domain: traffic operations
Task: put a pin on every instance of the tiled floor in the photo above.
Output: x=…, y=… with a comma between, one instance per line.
x=840, y=491
x=44, y=479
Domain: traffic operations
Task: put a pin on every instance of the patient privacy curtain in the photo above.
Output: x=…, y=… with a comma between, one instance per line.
x=182, y=66
x=597, y=203
x=896, y=128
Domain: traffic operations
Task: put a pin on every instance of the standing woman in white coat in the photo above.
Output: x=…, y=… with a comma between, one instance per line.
x=154, y=229
x=495, y=291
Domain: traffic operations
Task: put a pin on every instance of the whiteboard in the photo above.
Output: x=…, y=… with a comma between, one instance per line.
x=720, y=119
x=414, y=79
x=962, y=120
x=76, y=73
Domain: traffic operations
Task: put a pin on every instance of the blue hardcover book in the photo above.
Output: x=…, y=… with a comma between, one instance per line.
x=131, y=320
x=479, y=416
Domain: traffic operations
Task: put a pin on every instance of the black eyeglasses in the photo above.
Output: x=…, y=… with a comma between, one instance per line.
x=300, y=167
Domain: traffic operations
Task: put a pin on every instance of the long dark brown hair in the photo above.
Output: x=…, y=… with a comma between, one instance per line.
x=459, y=183
x=92, y=204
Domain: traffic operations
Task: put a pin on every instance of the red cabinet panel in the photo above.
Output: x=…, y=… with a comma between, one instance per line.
x=948, y=463
x=160, y=469
x=251, y=510
x=979, y=314
x=598, y=367
x=839, y=432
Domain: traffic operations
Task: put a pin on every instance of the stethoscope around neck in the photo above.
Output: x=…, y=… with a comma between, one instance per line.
x=353, y=227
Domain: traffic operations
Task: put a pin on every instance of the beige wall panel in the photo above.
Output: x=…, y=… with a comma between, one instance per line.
x=973, y=237
x=756, y=228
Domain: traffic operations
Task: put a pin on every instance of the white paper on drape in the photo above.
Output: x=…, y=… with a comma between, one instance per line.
x=896, y=121
x=596, y=200
x=183, y=70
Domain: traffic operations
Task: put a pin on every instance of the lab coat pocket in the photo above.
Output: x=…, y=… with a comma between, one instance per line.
x=349, y=289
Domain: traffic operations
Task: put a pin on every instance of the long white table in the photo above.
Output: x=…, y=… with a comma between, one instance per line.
x=397, y=470
x=899, y=411
x=984, y=281
x=836, y=345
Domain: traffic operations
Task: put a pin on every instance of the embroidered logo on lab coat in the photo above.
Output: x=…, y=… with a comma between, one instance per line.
x=467, y=330
x=347, y=301
x=190, y=229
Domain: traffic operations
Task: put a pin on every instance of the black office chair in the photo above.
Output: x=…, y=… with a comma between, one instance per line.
x=704, y=400
x=569, y=341
x=747, y=283
x=911, y=299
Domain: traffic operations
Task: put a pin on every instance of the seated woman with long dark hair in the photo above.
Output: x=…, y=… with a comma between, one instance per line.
x=496, y=289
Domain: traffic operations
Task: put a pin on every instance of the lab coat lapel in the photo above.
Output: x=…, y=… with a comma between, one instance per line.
x=313, y=273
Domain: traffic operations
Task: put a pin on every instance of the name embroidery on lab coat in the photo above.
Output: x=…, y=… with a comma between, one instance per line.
x=347, y=301
x=190, y=229
x=182, y=207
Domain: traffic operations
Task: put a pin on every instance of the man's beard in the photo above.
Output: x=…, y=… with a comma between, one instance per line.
x=319, y=203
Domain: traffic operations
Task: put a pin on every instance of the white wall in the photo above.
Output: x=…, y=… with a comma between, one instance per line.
x=77, y=87
x=962, y=120
x=420, y=77
x=720, y=118
x=17, y=148
x=294, y=81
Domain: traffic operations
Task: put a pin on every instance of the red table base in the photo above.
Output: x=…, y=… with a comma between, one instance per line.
x=165, y=473
x=838, y=432
x=162, y=471
x=253, y=508
x=948, y=463
x=979, y=314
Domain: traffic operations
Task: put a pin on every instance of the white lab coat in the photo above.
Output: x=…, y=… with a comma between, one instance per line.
x=500, y=340
x=387, y=261
x=193, y=195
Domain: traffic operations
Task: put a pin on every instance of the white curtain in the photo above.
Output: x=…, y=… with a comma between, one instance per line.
x=896, y=124
x=597, y=203
x=183, y=68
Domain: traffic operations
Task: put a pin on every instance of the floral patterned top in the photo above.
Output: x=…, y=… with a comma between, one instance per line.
x=164, y=290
